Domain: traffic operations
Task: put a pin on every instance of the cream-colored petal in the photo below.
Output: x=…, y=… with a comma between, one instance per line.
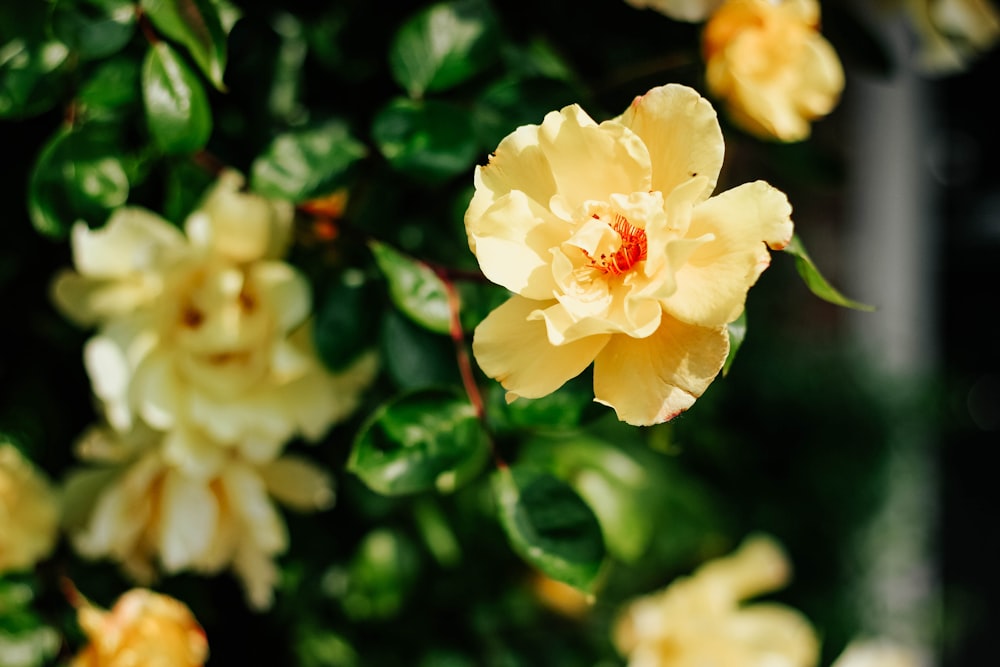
x=110, y=375
x=258, y=574
x=691, y=11
x=298, y=483
x=189, y=514
x=713, y=283
x=822, y=78
x=516, y=351
x=192, y=453
x=284, y=290
x=87, y=301
x=133, y=239
x=770, y=634
x=513, y=241
x=247, y=495
x=157, y=391
x=652, y=380
x=591, y=162
x=681, y=132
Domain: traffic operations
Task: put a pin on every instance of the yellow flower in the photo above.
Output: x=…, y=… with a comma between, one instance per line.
x=207, y=326
x=187, y=504
x=142, y=628
x=29, y=512
x=617, y=255
x=699, y=620
x=952, y=32
x=680, y=10
x=768, y=62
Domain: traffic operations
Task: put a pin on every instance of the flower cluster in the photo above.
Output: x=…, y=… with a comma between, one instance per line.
x=700, y=620
x=203, y=365
x=618, y=254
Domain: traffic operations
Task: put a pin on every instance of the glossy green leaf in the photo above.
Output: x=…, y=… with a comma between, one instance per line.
x=549, y=525
x=815, y=281
x=345, y=323
x=33, y=66
x=112, y=86
x=414, y=357
x=177, y=111
x=94, y=29
x=429, y=140
x=306, y=162
x=79, y=175
x=415, y=289
x=737, y=332
x=443, y=46
x=196, y=25
x=425, y=440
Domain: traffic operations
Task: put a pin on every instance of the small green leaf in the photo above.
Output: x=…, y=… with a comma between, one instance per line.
x=381, y=575
x=549, y=526
x=415, y=289
x=94, y=29
x=816, y=283
x=79, y=175
x=307, y=162
x=737, y=332
x=113, y=85
x=33, y=67
x=196, y=25
x=443, y=46
x=429, y=140
x=177, y=111
x=413, y=356
x=429, y=439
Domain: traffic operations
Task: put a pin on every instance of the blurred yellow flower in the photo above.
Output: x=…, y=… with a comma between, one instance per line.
x=617, y=254
x=207, y=326
x=29, y=512
x=187, y=505
x=699, y=620
x=952, y=32
x=770, y=65
x=142, y=628
x=679, y=10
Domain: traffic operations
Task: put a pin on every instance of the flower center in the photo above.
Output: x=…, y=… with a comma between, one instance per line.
x=631, y=251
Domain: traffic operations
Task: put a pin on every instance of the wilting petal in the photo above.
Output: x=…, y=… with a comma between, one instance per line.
x=516, y=351
x=513, y=240
x=652, y=380
x=591, y=162
x=713, y=283
x=682, y=134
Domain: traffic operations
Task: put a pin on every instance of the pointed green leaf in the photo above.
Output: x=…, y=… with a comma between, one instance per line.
x=815, y=281
x=79, y=175
x=94, y=29
x=549, y=526
x=429, y=439
x=177, y=112
x=737, y=332
x=428, y=140
x=306, y=162
x=414, y=288
x=443, y=46
x=196, y=25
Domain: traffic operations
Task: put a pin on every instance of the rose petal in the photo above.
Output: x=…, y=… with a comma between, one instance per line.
x=189, y=513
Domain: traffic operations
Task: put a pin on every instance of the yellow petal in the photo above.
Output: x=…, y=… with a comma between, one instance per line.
x=652, y=380
x=516, y=351
x=713, y=283
x=768, y=633
x=133, y=239
x=513, y=241
x=189, y=512
x=298, y=483
x=681, y=132
x=285, y=291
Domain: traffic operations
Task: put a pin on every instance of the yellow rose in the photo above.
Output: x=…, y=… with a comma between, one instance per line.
x=206, y=326
x=771, y=67
x=185, y=503
x=679, y=10
x=142, y=628
x=952, y=32
x=699, y=620
x=617, y=254
x=29, y=512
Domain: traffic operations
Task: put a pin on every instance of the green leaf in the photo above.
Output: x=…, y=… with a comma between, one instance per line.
x=737, y=332
x=510, y=103
x=112, y=86
x=33, y=66
x=381, y=575
x=177, y=111
x=429, y=439
x=307, y=162
x=415, y=289
x=443, y=46
x=345, y=322
x=816, y=283
x=549, y=526
x=196, y=25
x=79, y=175
x=94, y=29
x=429, y=140
x=413, y=356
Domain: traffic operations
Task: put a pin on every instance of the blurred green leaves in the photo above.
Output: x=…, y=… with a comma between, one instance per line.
x=177, y=111
x=195, y=24
x=93, y=29
x=429, y=140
